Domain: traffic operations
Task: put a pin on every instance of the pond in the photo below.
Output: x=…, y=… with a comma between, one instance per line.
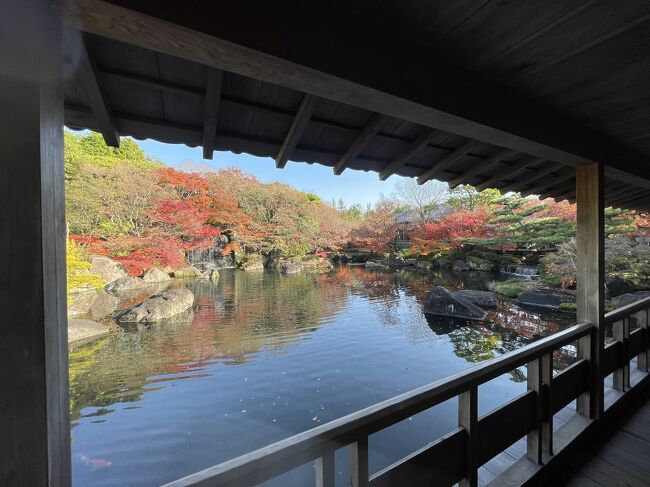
x=264, y=356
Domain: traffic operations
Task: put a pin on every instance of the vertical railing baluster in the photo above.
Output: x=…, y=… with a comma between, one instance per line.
x=359, y=463
x=540, y=440
x=587, y=404
x=325, y=470
x=643, y=360
x=468, y=419
x=621, y=330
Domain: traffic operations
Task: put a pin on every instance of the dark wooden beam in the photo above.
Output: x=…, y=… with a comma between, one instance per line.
x=211, y=114
x=34, y=407
x=561, y=189
x=295, y=131
x=533, y=175
x=418, y=144
x=626, y=191
x=481, y=167
x=630, y=200
x=89, y=76
x=508, y=172
x=448, y=160
x=369, y=130
x=358, y=66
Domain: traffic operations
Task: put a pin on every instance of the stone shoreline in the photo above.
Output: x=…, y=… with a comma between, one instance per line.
x=82, y=331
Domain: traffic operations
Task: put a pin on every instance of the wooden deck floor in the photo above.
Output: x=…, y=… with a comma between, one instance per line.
x=619, y=456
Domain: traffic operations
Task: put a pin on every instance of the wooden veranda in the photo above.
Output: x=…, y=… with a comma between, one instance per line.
x=546, y=98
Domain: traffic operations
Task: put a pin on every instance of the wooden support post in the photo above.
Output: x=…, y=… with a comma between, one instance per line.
x=643, y=360
x=468, y=419
x=325, y=470
x=540, y=440
x=34, y=410
x=359, y=475
x=621, y=331
x=590, y=265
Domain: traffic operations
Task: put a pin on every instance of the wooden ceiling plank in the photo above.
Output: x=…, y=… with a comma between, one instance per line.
x=484, y=165
x=296, y=130
x=368, y=132
x=508, y=172
x=421, y=141
x=534, y=175
x=211, y=114
x=448, y=160
x=96, y=95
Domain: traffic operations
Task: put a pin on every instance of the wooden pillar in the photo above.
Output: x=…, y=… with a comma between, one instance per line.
x=34, y=417
x=590, y=263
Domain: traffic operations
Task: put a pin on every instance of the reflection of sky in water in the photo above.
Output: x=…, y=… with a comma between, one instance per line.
x=265, y=356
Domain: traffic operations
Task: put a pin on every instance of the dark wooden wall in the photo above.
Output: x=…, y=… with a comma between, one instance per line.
x=34, y=417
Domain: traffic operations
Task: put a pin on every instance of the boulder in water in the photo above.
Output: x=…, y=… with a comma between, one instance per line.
x=108, y=269
x=80, y=301
x=460, y=266
x=155, y=275
x=441, y=302
x=159, y=307
x=546, y=297
x=482, y=299
x=186, y=273
x=374, y=265
x=125, y=284
x=290, y=268
x=81, y=332
x=104, y=305
x=207, y=270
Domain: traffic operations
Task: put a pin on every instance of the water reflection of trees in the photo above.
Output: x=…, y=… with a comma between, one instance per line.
x=232, y=320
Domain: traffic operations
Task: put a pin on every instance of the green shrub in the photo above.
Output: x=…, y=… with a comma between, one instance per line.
x=512, y=288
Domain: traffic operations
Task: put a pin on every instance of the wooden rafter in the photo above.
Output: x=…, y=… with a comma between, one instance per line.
x=296, y=130
x=547, y=185
x=96, y=95
x=508, y=172
x=420, y=142
x=533, y=175
x=369, y=130
x=448, y=160
x=481, y=166
x=211, y=113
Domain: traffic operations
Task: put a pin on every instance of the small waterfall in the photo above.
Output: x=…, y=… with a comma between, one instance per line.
x=211, y=254
x=528, y=271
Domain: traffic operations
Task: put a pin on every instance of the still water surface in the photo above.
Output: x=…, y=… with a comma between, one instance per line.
x=264, y=356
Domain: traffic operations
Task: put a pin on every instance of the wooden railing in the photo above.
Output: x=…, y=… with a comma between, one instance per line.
x=457, y=456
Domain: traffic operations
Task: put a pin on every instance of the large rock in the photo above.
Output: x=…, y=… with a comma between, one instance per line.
x=374, y=265
x=290, y=268
x=104, y=305
x=108, y=269
x=207, y=270
x=125, y=284
x=159, y=307
x=253, y=262
x=186, y=272
x=441, y=302
x=81, y=332
x=482, y=299
x=80, y=301
x=628, y=298
x=155, y=275
x=460, y=266
x=546, y=297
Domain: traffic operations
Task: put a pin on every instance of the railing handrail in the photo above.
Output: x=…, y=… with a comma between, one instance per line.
x=373, y=418
x=627, y=310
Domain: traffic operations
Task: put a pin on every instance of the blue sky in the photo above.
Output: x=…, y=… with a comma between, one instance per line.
x=352, y=186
